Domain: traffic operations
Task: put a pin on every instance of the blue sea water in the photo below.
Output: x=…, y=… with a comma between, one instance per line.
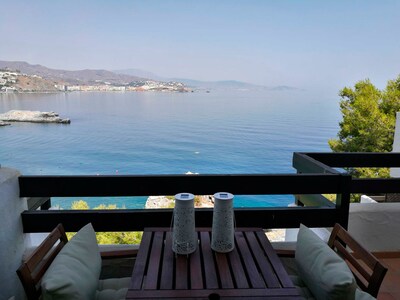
x=168, y=133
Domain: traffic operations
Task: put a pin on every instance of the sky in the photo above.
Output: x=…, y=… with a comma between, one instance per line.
x=305, y=44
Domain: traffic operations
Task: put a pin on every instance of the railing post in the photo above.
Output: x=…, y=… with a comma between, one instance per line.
x=297, y=198
x=343, y=200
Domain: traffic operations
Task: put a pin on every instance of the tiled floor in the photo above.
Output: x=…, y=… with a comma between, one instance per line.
x=390, y=288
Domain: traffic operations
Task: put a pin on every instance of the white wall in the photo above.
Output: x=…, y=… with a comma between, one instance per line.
x=12, y=244
x=376, y=225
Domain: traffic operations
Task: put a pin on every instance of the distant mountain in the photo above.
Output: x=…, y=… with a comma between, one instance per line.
x=139, y=73
x=223, y=84
x=227, y=84
x=284, y=88
x=71, y=77
x=207, y=85
x=126, y=76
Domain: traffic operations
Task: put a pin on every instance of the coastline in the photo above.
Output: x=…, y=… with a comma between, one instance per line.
x=169, y=201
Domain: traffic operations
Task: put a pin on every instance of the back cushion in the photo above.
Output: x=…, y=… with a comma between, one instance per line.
x=323, y=271
x=74, y=273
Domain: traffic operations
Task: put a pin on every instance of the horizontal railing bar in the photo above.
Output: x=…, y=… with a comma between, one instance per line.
x=137, y=220
x=144, y=185
x=357, y=159
x=306, y=164
x=375, y=185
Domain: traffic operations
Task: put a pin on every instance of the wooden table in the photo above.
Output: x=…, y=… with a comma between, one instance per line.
x=251, y=270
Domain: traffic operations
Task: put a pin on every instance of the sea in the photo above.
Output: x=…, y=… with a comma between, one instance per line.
x=205, y=132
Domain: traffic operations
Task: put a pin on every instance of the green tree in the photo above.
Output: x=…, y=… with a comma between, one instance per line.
x=369, y=117
x=131, y=237
x=391, y=100
x=80, y=204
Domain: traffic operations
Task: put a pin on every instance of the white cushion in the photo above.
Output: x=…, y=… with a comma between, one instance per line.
x=74, y=273
x=323, y=271
x=111, y=294
x=113, y=288
x=114, y=283
x=361, y=295
x=301, y=287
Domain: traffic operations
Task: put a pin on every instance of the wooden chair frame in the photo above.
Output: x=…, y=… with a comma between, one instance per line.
x=35, y=266
x=367, y=269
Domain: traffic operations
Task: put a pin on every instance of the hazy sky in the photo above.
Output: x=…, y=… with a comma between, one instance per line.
x=321, y=43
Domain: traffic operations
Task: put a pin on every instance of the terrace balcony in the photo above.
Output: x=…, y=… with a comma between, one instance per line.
x=25, y=201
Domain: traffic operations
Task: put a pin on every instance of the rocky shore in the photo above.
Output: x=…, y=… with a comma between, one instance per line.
x=31, y=116
x=169, y=201
x=4, y=123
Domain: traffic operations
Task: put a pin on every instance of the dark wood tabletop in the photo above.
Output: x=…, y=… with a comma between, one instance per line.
x=251, y=270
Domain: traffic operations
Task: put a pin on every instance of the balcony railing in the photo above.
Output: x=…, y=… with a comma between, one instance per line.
x=316, y=176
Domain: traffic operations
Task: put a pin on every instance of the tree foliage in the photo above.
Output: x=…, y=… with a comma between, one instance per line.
x=369, y=118
x=131, y=237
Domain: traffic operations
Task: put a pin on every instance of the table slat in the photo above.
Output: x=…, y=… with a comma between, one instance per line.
x=223, y=270
x=141, y=260
x=260, y=254
x=237, y=269
x=167, y=271
x=275, y=261
x=154, y=262
x=181, y=272
x=196, y=274
x=253, y=274
x=208, y=259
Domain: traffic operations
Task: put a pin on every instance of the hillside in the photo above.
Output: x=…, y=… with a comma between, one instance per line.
x=18, y=76
x=128, y=79
x=35, y=84
x=70, y=77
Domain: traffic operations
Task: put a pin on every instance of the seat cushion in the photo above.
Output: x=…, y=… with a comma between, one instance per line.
x=325, y=273
x=302, y=287
x=360, y=295
x=119, y=294
x=114, y=283
x=74, y=273
x=113, y=288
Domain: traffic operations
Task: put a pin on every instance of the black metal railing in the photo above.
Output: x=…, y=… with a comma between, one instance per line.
x=307, y=163
x=137, y=219
x=316, y=175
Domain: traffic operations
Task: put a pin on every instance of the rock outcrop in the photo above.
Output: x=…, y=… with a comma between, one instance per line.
x=32, y=116
x=169, y=202
x=4, y=123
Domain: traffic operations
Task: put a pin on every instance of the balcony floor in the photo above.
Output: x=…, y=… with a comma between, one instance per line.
x=390, y=288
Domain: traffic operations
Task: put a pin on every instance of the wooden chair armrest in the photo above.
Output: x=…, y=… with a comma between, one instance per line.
x=367, y=269
x=386, y=254
x=119, y=253
x=285, y=252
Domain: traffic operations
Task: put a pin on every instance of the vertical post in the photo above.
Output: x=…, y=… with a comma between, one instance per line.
x=12, y=243
x=343, y=200
x=46, y=205
x=297, y=198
